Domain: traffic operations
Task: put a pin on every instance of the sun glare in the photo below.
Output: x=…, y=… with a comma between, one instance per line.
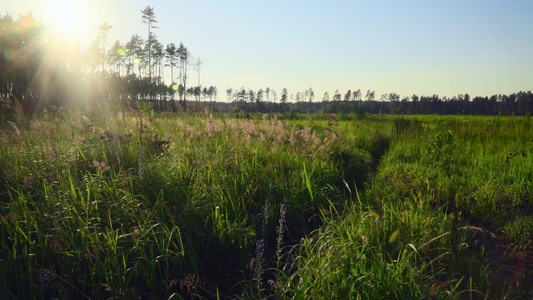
x=65, y=18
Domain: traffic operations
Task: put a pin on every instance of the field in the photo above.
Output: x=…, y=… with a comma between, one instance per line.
x=101, y=204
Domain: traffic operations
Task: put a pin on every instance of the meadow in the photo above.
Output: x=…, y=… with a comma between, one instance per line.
x=103, y=203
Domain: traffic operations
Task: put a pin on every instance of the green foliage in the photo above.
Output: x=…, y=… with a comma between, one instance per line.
x=520, y=231
x=95, y=206
x=105, y=209
x=371, y=254
x=145, y=107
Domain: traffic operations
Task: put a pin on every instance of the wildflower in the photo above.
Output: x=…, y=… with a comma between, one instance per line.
x=101, y=166
x=28, y=182
x=281, y=228
x=50, y=175
x=259, y=259
x=35, y=125
x=45, y=276
x=141, y=161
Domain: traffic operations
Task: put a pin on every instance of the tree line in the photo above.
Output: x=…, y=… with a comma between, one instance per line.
x=37, y=72
x=267, y=100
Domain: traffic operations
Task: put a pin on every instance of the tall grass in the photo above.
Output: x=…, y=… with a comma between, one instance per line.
x=446, y=215
x=98, y=205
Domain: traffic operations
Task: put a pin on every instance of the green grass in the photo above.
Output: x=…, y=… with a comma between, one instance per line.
x=445, y=215
x=95, y=206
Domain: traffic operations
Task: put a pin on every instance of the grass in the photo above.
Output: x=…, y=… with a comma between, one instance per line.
x=195, y=205
x=371, y=254
x=446, y=215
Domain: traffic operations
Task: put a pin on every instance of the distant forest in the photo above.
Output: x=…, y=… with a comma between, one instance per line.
x=36, y=71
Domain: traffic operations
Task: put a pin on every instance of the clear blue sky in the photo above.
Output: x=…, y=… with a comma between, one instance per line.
x=424, y=47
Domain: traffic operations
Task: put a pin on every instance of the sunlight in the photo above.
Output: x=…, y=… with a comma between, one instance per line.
x=66, y=19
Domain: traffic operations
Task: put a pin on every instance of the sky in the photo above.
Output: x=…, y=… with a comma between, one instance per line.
x=407, y=47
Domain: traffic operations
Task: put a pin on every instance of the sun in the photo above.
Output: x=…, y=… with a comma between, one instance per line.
x=65, y=18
